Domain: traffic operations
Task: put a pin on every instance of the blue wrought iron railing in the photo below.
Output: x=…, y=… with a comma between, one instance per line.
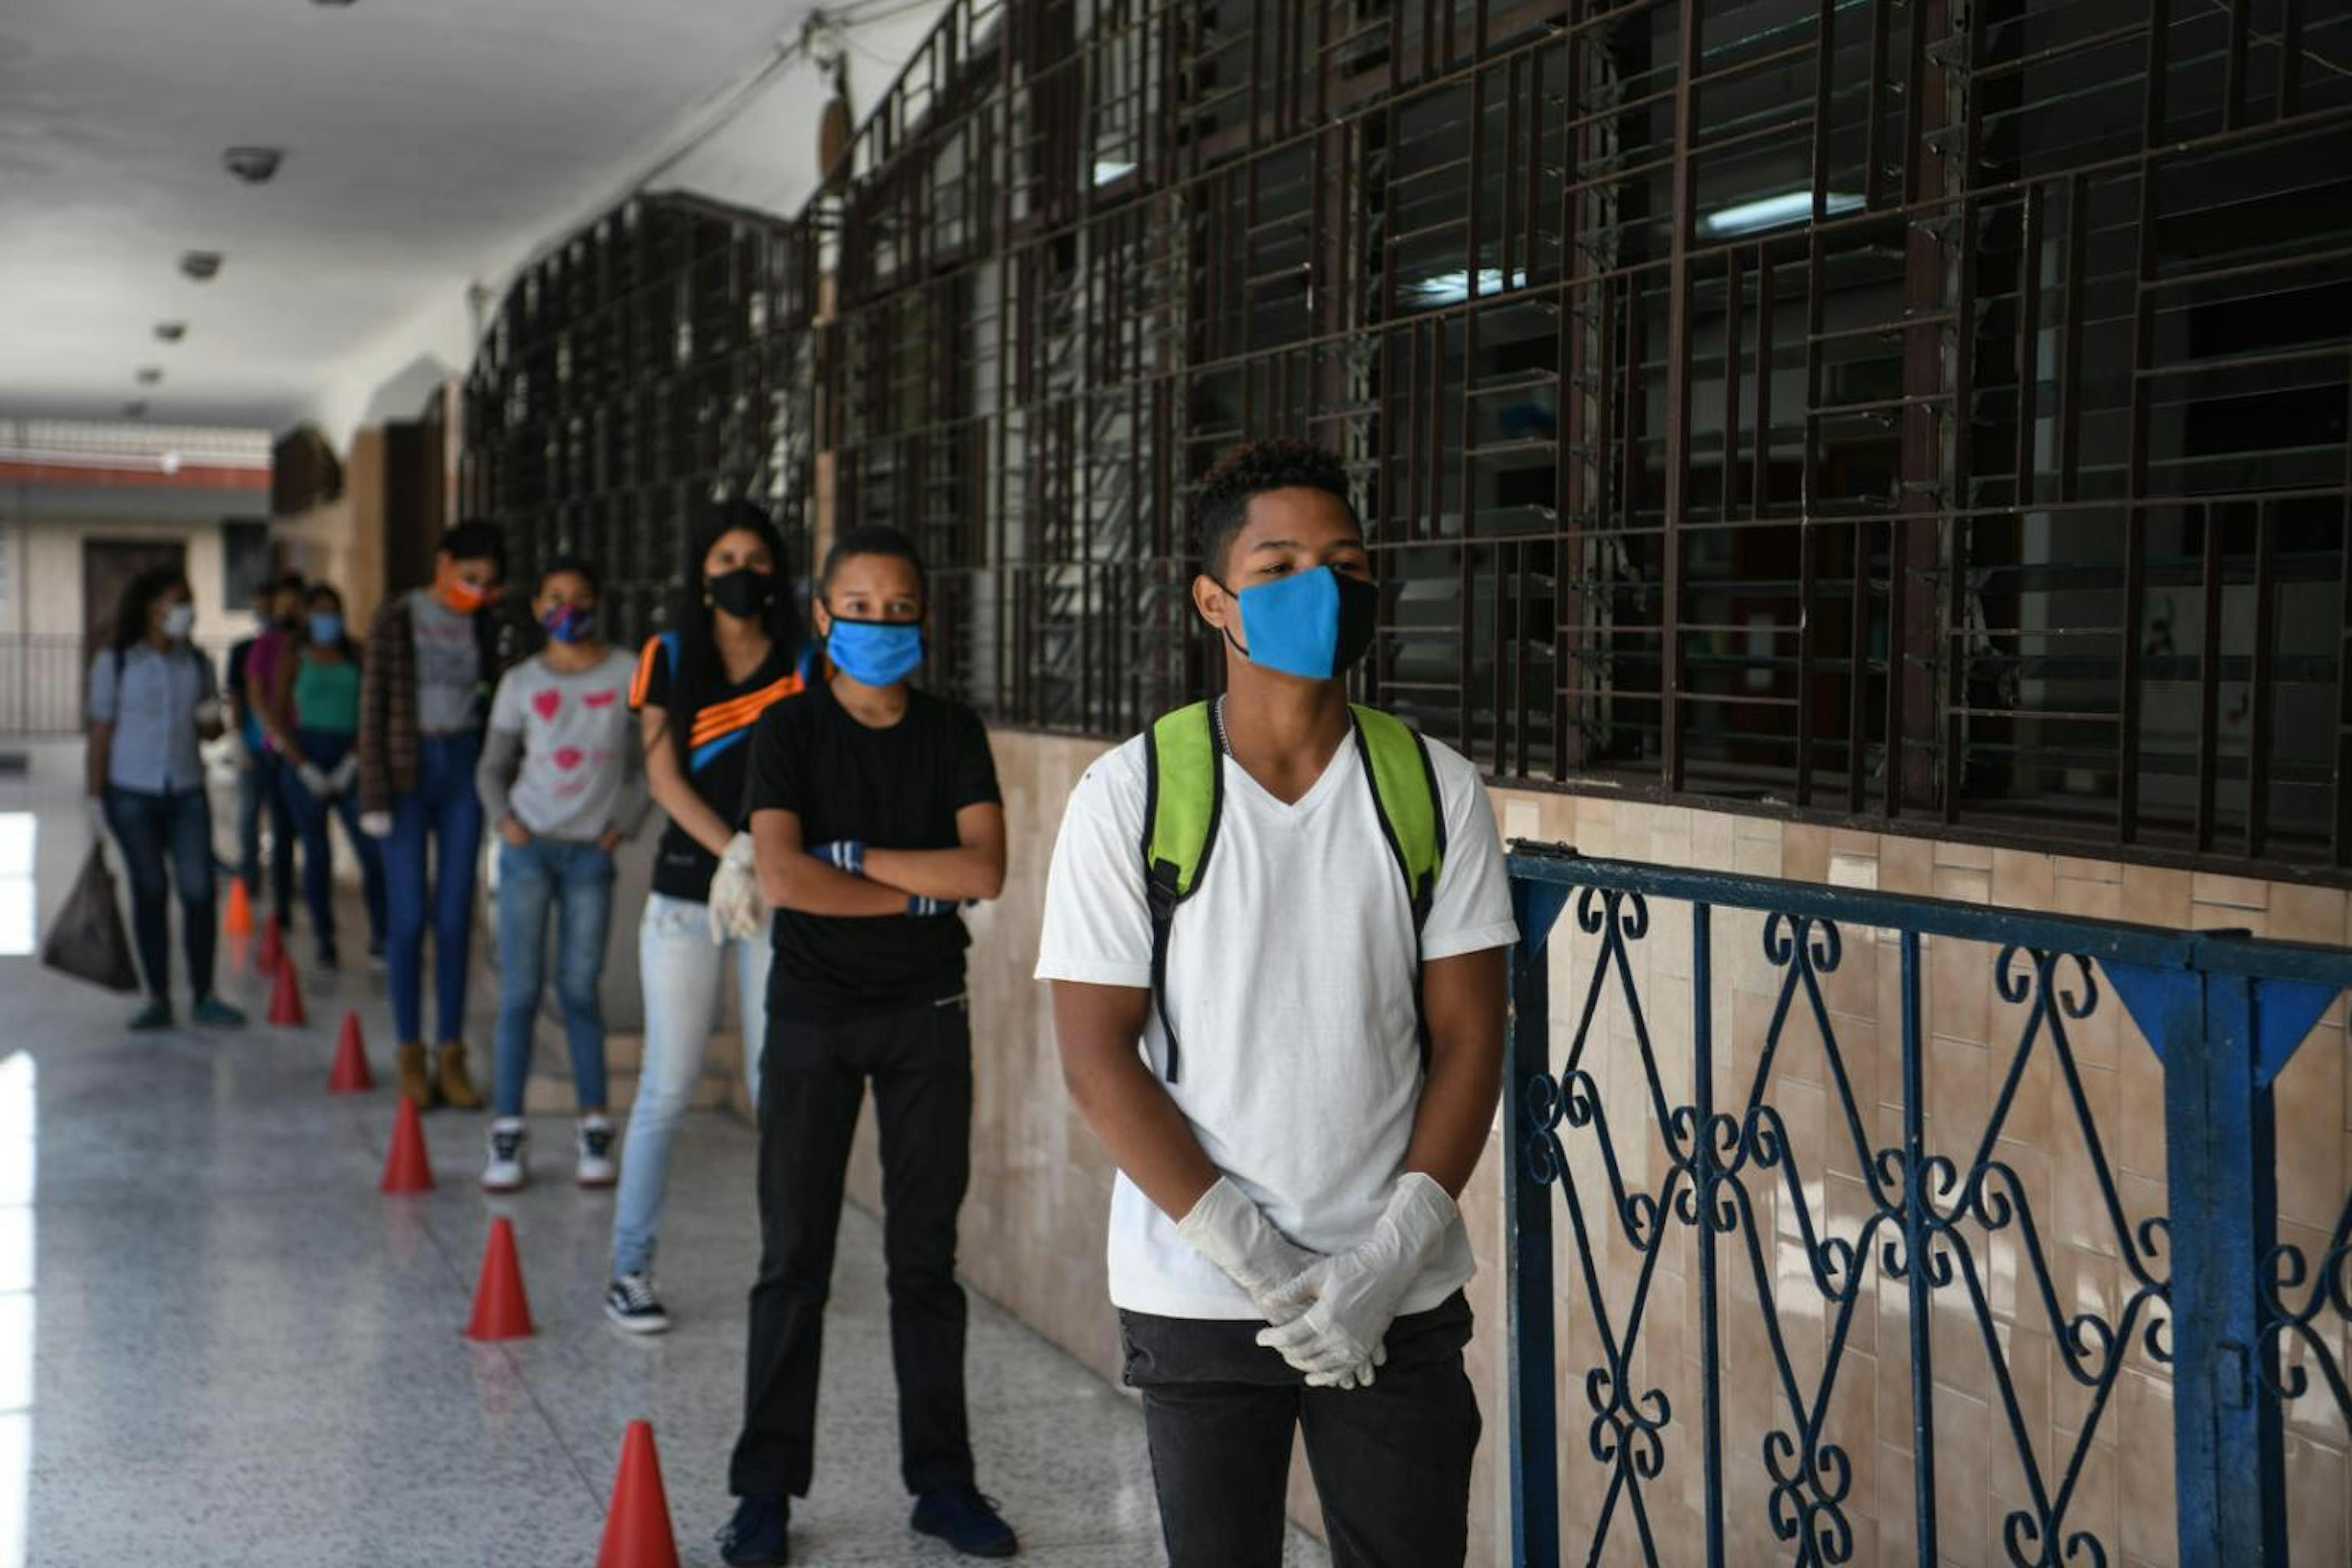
x=1716, y=1193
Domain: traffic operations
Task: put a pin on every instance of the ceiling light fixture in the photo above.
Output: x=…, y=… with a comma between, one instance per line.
x=170, y=331
x=201, y=265
x=135, y=409
x=1773, y=212
x=254, y=165
x=149, y=374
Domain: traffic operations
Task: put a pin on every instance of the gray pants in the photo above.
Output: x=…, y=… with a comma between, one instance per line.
x=1391, y=1462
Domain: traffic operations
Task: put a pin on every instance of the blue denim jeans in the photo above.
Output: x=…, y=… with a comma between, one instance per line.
x=679, y=966
x=258, y=790
x=152, y=830
x=325, y=750
x=574, y=880
x=445, y=809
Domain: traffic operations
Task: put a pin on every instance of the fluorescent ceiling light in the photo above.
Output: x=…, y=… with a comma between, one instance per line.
x=1773, y=212
x=1453, y=287
x=1109, y=173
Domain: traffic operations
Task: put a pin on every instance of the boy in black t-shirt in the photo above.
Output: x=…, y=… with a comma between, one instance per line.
x=875, y=813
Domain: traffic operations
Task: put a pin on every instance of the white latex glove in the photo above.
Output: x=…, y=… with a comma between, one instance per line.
x=1232, y=1233
x=736, y=910
x=376, y=824
x=346, y=772
x=1355, y=1295
x=314, y=779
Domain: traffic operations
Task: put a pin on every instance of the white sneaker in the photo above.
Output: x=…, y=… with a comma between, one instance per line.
x=504, y=1171
x=595, y=1167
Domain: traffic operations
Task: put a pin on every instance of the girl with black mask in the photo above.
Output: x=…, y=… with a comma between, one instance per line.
x=733, y=649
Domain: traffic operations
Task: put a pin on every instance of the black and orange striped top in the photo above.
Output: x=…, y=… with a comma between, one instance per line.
x=713, y=752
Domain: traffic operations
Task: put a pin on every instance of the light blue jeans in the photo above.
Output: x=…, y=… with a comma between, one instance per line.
x=575, y=882
x=680, y=965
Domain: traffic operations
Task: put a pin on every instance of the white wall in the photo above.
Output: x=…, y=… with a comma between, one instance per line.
x=49, y=596
x=754, y=145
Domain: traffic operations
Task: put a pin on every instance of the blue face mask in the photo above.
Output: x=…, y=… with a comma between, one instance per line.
x=569, y=623
x=1314, y=625
x=326, y=626
x=876, y=653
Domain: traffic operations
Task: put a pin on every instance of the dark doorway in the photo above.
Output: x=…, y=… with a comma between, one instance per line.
x=107, y=567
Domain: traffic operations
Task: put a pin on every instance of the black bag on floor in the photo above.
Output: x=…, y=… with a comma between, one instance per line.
x=87, y=940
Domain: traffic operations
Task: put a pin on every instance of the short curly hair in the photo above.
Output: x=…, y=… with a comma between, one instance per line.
x=1251, y=469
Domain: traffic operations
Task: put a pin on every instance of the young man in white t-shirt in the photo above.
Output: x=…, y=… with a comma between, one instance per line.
x=1285, y=1249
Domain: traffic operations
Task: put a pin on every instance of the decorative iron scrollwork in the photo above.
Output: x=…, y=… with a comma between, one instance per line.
x=1929, y=1210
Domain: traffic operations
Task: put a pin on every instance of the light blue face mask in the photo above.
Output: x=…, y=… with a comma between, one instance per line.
x=876, y=653
x=1314, y=625
x=326, y=627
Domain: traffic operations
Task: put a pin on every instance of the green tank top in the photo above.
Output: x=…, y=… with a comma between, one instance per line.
x=327, y=696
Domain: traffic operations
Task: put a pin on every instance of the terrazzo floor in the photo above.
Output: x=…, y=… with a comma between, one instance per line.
x=218, y=1343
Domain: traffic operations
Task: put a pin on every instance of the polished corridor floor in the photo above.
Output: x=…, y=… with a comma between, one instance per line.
x=218, y=1344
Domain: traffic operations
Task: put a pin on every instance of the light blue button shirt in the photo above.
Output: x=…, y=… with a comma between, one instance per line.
x=150, y=695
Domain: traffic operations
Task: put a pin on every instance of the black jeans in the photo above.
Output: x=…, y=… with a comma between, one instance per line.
x=1391, y=1462
x=811, y=1085
x=155, y=830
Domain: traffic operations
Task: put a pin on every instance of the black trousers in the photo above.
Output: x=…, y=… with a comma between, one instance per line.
x=1391, y=1462
x=811, y=1083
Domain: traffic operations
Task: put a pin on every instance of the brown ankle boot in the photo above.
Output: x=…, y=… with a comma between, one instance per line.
x=415, y=1081
x=457, y=1089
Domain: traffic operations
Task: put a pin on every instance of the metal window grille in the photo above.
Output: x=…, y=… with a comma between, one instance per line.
x=662, y=358
x=1907, y=411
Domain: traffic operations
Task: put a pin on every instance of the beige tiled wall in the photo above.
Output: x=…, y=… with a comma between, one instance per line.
x=1040, y=1194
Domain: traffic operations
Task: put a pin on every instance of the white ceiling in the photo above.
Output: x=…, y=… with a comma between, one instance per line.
x=428, y=143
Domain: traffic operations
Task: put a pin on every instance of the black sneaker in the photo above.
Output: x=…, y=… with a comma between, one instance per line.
x=966, y=1520
x=630, y=1302
x=754, y=1538
x=330, y=960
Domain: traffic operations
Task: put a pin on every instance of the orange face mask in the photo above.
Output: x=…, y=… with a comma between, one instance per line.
x=461, y=595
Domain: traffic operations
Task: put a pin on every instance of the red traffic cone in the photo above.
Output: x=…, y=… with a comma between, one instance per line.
x=349, y=1074
x=637, y=1527
x=405, y=1168
x=270, y=948
x=501, y=1311
x=238, y=920
x=286, y=995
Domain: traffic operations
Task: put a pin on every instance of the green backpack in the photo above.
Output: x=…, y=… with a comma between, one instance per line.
x=1182, y=752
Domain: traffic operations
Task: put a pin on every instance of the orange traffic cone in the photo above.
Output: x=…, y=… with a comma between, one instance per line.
x=405, y=1168
x=501, y=1311
x=286, y=995
x=238, y=920
x=637, y=1527
x=270, y=948
x=349, y=1074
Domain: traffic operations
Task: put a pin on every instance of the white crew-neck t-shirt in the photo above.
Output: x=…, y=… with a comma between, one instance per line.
x=1290, y=986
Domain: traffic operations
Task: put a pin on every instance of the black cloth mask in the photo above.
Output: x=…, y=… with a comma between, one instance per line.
x=743, y=592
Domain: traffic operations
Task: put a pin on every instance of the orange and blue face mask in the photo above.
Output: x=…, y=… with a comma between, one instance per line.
x=569, y=623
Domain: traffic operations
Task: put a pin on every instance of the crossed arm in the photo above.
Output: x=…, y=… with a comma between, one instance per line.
x=793, y=879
